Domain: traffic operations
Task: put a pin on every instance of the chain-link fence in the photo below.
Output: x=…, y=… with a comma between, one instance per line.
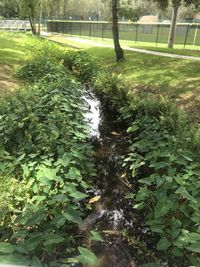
x=186, y=34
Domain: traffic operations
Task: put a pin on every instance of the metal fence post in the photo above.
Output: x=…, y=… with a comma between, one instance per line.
x=102, y=33
x=136, y=33
x=157, y=36
x=56, y=27
x=80, y=32
x=186, y=35
x=70, y=28
x=90, y=30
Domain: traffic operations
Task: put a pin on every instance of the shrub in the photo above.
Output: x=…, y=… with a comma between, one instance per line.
x=38, y=69
x=44, y=148
x=85, y=66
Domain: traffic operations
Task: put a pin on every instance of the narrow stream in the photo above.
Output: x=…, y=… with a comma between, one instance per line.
x=112, y=214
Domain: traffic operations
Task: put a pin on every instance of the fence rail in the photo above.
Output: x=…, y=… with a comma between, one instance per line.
x=186, y=34
x=15, y=25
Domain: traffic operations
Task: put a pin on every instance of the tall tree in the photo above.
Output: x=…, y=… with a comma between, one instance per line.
x=118, y=50
x=176, y=5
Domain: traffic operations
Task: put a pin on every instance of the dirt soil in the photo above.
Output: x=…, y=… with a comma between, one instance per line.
x=7, y=82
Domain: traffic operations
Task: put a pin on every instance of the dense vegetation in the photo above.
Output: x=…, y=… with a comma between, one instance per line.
x=163, y=162
x=46, y=164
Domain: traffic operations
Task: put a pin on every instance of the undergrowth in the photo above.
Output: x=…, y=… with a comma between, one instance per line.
x=46, y=164
x=46, y=161
x=163, y=161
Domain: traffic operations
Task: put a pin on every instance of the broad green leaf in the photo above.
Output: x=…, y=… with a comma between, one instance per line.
x=66, y=158
x=36, y=217
x=33, y=242
x=177, y=252
x=74, y=174
x=78, y=195
x=194, y=247
x=35, y=262
x=162, y=208
x=96, y=236
x=14, y=259
x=87, y=256
x=163, y=244
x=184, y=193
x=53, y=239
x=73, y=216
x=6, y=248
x=143, y=194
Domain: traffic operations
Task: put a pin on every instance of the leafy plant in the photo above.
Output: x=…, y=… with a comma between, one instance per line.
x=45, y=161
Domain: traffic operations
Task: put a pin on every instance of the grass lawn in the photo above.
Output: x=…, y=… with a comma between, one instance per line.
x=189, y=50
x=175, y=78
x=14, y=51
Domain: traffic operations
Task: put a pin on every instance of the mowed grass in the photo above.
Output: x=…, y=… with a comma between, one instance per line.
x=189, y=50
x=14, y=48
x=14, y=51
x=175, y=78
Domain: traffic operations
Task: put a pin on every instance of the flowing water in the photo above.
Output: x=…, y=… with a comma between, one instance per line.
x=112, y=214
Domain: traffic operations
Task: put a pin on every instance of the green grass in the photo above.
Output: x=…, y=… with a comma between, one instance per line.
x=189, y=50
x=168, y=76
x=14, y=48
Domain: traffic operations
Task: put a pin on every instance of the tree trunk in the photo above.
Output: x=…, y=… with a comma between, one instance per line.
x=118, y=50
x=32, y=25
x=40, y=17
x=173, y=26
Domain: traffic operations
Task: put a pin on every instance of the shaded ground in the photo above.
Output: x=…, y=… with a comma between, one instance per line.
x=7, y=82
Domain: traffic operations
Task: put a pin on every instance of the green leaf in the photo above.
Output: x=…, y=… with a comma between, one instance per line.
x=133, y=128
x=143, y=194
x=177, y=252
x=35, y=262
x=36, y=217
x=74, y=174
x=163, y=244
x=33, y=242
x=96, y=236
x=129, y=196
x=66, y=158
x=184, y=193
x=14, y=259
x=78, y=195
x=73, y=216
x=194, y=247
x=87, y=256
x=162, y=208
x=139, y=206
x=53, y=239
x=6, y=248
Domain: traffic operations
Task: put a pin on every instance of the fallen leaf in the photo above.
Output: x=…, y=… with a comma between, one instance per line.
x=94, y=199
x=115, y=133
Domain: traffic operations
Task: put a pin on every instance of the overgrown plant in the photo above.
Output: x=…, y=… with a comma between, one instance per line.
x=46, y=162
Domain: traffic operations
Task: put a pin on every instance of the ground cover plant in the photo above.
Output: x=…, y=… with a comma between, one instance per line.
x=163, y=163
x=46, y=162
